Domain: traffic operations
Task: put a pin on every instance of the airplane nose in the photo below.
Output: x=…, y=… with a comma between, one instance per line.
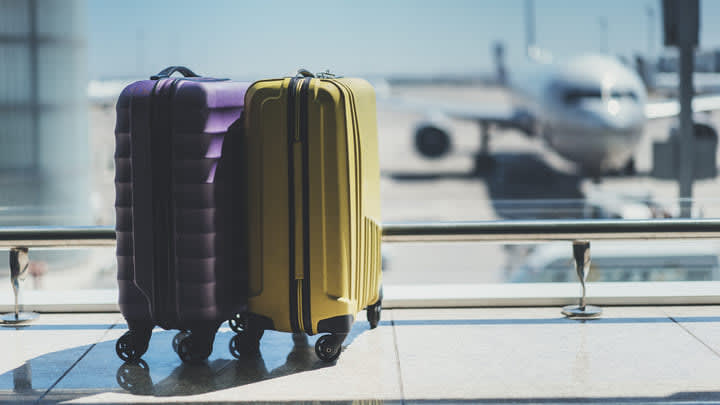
x=621, y=116
x=613, y=107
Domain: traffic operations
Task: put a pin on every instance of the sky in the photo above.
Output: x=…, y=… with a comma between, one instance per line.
x=254, y=38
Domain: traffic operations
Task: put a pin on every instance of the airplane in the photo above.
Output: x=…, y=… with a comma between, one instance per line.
x=590, y=109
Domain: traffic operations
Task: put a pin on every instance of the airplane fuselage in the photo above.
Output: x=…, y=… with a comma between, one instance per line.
x=590, y=110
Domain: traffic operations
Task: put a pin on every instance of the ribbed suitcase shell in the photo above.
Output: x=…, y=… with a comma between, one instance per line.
x=194, y=276
x=343, y=215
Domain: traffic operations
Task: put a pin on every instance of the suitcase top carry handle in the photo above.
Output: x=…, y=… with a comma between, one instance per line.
x=167, y=72
x=304, y=73
x=322, y=75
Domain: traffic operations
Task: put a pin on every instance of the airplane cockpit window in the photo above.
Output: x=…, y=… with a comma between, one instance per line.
x=624, y=94
x=574, y=96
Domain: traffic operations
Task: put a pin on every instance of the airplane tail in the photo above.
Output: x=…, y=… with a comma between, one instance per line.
x=534, y=52
x=499, y=58
x=646, y=71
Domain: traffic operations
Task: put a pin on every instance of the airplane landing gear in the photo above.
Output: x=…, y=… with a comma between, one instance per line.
x=629, y=168
x=484, y=162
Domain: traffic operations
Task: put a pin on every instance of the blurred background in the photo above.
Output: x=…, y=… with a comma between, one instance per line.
x=486, y=110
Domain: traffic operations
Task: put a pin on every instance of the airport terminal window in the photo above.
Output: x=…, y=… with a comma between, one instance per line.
x=62, y=68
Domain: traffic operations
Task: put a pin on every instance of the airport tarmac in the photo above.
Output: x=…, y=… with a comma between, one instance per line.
x=528, y=181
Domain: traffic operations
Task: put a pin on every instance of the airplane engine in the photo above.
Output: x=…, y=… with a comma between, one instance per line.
x=432, y=139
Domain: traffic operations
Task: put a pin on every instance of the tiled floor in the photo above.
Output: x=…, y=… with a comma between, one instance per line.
x=526, y=355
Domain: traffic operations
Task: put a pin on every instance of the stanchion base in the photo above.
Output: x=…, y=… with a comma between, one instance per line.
x=575, y=311
x=12, y=318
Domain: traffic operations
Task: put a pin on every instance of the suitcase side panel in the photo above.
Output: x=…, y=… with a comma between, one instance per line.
x=133, y=303
x=333, y=311
x=366, y=112
x=267, y=212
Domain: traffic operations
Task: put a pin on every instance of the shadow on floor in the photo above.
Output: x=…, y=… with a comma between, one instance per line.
x=216, y=375
x=91, y=369
x=520, y=185
x=524, y=186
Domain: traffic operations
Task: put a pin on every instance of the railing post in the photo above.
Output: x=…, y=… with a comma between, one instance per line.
x=19, y=263
x=581, y=254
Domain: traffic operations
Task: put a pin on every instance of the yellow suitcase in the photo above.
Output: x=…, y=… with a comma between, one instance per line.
x=313, y=210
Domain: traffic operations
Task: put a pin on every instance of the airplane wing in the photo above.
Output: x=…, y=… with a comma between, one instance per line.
x=501, y=115
x=671, y=108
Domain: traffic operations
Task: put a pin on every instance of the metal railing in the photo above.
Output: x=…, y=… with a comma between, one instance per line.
x=480, y=231
x=55, y=237
x=580, y=232
x=551, y=230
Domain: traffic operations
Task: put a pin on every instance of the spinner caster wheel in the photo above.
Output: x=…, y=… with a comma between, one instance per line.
x=131, y=346
x=237, y=345
x=374, y=312
x=328, y=348
x=238, y=322
x=191, y=351
x=177, y=338
x=247, y=342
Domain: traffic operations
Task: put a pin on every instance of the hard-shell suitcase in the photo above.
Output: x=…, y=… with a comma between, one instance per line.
x=178, y=212
x=313, y=210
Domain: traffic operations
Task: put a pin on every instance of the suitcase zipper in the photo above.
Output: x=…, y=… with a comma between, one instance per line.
x=163, y=212
x=300, y=319
x=292, y=137
x=305, y=146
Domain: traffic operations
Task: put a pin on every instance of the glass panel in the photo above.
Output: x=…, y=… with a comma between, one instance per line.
x=15, y=17
x=502, y=145
x=16, y=150
x=62, y=19
x=62, y=76
x=15, y=87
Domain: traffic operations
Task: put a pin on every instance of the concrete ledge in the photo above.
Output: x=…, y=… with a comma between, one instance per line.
x=63, y=301
x=550, y=294
x=436, y=296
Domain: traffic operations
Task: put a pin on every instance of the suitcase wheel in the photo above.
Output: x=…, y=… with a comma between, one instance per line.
x=328, y=348
x=373, y=314
x=131, y=346
x=374, y=311
x=191, y=351
x=178, y=337
x=238, y=322
x=245, y=343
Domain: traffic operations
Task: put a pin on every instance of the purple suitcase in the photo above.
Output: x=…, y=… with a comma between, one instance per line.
x=181, y=261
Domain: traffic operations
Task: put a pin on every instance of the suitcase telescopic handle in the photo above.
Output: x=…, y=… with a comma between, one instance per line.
x=167, y=72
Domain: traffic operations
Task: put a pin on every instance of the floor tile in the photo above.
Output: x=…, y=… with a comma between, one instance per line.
x=702, y=322
x=35, y=356
x=518, y=353
x=637, y=354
